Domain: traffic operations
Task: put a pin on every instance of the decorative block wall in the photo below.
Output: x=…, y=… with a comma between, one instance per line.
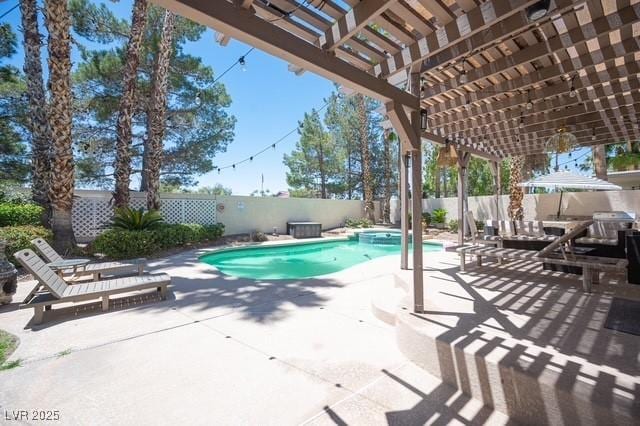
x=93, y=210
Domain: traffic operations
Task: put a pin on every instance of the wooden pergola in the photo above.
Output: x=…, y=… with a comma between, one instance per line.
x=495, y=77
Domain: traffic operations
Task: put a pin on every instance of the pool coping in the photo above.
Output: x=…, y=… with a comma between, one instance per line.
x=253, y=244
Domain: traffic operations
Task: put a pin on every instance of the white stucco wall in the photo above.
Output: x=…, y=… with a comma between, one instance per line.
x=540, y=206
x=246, y=214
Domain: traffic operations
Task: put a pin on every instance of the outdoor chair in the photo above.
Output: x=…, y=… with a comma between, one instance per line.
x=479, y=237
x=58, y=291
x=558, y=252
x=81, y=267
x=606, y=238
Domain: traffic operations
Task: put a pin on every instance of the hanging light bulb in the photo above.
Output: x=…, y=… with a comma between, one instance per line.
x=198, y=99
x=569, y=155
x=521, y=124
x=593, y=136
x=572, y=92
x=467, y=104
x=243, y=63
x=218, y=170
x=463, y=75
x=251, y=158
x=273, y=146
x=234, y=166
x=529, y=103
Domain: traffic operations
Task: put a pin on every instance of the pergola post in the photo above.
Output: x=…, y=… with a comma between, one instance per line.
x=408, y=129
x=497, y=184
x=404, y=207
x=463, y=161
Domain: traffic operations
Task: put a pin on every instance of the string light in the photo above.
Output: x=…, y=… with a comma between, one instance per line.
x=243, y=63
x=271, y=146
x=593, y=136
x=529, y=103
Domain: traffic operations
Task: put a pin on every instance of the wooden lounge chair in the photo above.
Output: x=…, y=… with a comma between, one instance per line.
x=58, y=291
x=591, y=266
x=94, y=269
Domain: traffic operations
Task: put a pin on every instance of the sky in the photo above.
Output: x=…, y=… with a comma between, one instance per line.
x=267, y=101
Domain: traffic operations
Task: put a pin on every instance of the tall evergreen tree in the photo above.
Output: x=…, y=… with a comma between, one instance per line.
x=315, y=165
x=13, y=117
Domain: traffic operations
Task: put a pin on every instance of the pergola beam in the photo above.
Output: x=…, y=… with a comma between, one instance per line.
x=576, y=38
x=464, y=26
x=586, y=66
x=543, y=100
x=243, y=25
x=352, y=22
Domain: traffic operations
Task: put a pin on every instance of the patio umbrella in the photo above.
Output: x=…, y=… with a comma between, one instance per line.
x=562, y=180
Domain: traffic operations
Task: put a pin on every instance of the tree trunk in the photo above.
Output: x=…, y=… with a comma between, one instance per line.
x=438, y=181
x=122, y=165
x=444, y=182
x=61, y=184
x=323, y=175
x=367, y=177
x=157, y=116
x=515, y=190
x=386, y=165
x=38, y=119
x=600, y=161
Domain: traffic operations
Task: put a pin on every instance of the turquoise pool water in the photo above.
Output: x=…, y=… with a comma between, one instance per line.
x=305, y=260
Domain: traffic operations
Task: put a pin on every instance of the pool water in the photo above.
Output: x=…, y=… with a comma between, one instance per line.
x=306, y=259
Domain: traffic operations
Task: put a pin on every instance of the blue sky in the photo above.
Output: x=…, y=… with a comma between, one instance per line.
x=268, y=101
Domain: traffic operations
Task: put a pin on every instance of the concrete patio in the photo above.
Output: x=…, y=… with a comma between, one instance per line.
x=312, y=351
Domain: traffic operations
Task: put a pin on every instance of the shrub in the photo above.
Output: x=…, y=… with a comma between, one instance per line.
x=213, y=232
x=121, y=243
x=19, y=238
x=12, y=214
x=135, y=219
x=439, y=216
x=258, y=237
x=480, y=225
x=357, y=222
x=426, y=218
x=453, y=225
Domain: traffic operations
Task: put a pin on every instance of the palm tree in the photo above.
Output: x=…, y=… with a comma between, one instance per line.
x=61, y=184
x=122, y=165
x=367, y=177
x=515, y=190
x=157, y=113
x=38, y=120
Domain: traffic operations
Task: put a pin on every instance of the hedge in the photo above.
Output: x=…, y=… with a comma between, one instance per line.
x=122, y=244
x=20, y=214
x=19, y=238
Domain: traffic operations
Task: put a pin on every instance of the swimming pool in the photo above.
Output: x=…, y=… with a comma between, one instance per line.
x=304, y=260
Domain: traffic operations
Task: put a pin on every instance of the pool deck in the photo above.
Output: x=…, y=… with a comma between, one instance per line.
x=226, y=350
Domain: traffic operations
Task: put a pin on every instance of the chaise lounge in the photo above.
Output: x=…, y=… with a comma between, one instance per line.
x=75, y=268
x=58, y=291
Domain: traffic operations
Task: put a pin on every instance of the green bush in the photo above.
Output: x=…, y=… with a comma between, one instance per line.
x=426, y=218
x=357, y=222
x=12, y=214
x=439, y=216
x=480, y=225
x=135, y=219
x=19, y=238
x=259, y=237
x=453, y=225
x=122, y=243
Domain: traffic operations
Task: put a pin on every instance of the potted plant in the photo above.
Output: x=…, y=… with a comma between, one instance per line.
x=439, y=218
x=8, y=277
